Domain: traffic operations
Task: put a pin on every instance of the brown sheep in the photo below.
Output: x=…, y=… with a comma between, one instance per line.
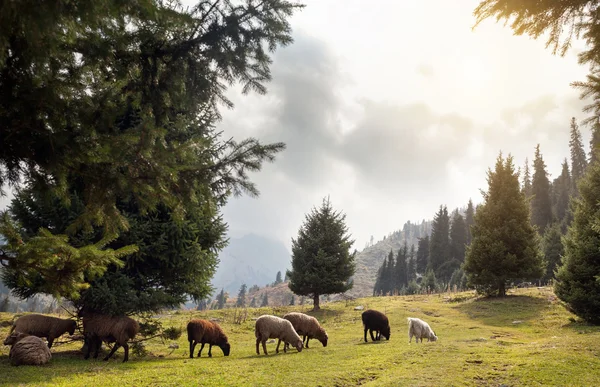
x=27, y=350
x=111, y=329
x=308, y=327
x=206, y=332
x=44, y=326
x=374, y=320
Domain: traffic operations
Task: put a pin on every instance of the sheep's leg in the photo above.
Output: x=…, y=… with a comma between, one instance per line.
x=365, y=335
x=409, y=337
x=126, y=348
x=209, y=350
x=192, y=346
x=201, y=348
x=377, y=335
x=257, y=343
x=50, y=341
x=277, y=349
x=97, y=344
x=307, y=338
x=264, y=343
x=372, y=337
x=88, y=349
x=114, y=349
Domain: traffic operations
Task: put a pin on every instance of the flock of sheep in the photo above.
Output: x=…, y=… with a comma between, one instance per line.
x=28, y=348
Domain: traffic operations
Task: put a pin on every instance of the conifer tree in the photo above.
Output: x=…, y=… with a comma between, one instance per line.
x=561, y=190
x=265, y=300
x=469, y=219
x=278, y=279
x=595, y=141
x=411, y=265
x=221, y=299
x=541, y=205
x=527, y=179
x=578, y=277
x=458, y=237
x=321, y=258
x=578, y=159
x=385, y=276
x=429, y=282
x=253, y=302
x=292, y=300
x=400, y=269
x=505, y=246
x=553, y=250
x=241, y=298
x=422, y=254
x=439, y=249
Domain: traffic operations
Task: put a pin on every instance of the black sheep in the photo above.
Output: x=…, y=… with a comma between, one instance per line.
x=374, y=320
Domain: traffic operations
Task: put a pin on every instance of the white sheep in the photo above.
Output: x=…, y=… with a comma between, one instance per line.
x=273, y=327
x=308, y=327
x=27, y=350
x=420, y=330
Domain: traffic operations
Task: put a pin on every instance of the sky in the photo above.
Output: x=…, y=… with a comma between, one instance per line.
x=393, y=108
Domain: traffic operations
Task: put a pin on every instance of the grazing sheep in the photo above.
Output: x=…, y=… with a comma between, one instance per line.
x=420, y=330
x=273, y=327
x=27, y=349
x=44, y=326
x=308, y=327
x=206, y=332
x=111, y=329
x=374, y=320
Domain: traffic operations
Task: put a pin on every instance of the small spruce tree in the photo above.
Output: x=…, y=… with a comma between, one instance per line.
x=241, y=298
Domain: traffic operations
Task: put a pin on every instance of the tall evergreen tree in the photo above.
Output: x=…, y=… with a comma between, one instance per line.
x=541, y=204
x=422, y=254
x=321, y=258
x=265, y=300
x=411, y=271
x=439, y=249
x=578, y=278
x=278, y=279
x=469, y=220
x=595, y=141
x=221, y=299
x=553, y=250
x=578, y=159
x=401, y=273
x=385, y=274
x=527, y=180
x=505, y=246
x=458, y=237
x=561, y=189
x=241, y=298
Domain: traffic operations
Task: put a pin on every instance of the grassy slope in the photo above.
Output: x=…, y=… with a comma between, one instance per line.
x=478, y=345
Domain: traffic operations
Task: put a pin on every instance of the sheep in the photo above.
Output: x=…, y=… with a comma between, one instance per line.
x=44, y=326
x=308, y=327
x=111, y=329
x=206, y=332
x=419, y=329
x=374, y=320
x=27, y=349
x=273, y=327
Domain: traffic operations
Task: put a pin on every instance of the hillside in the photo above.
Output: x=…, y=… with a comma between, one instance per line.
x=524, y=339
x=370, y=259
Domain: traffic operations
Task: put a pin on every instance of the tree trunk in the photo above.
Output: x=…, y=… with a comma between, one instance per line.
x=501, y=289
x=316, y=302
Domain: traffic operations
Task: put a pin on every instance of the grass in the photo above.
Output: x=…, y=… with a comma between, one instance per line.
x=525, y=339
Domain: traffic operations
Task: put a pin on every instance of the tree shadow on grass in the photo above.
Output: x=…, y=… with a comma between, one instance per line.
x=503, y=311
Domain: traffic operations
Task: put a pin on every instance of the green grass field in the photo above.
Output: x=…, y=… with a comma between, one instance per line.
x=479, y=345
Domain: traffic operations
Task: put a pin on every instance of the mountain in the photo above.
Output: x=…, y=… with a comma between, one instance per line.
x=251, y=259
x=370, y=259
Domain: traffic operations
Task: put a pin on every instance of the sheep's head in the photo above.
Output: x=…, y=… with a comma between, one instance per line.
x=72, y=327
x=299, y=345
x=433, y=337
x=385, y=332
x=225, y=348
x=14, y=338
x=323, y=337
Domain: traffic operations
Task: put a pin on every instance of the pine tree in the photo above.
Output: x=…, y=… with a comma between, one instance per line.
x=385, y=276
x=553, y=250
x=411, y=265
x=469, y=220
x=278, y=278
x=505, y=246
x=527, y=180
x=578, y=158
x=541, y=205
x=292, y=300
x=595, y=141
x=439, y=249
x=400, y=269
x=221, y=299
x=561, y=189
x=321, y=258
x=241, y=298
x=458, y=238
x=265, y=300
x=253, y=302
x=429, y=281
x=422, y=254
x=578, y=278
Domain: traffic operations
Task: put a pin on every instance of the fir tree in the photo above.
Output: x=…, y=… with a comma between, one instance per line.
x=595, y=141
x=241, y=298
x=385, y=274
x=265, y=300
x=400, y=269
x=561, y=189
x=578, y=278
x=253, y=302
x=278, y=278
x=221, y=299
x=411, y=265
x=553, y=250
x=505, y=246
x=321, y=258
x=422, y=254
x=527, y=180
x=429, y=281
x=458, y=238
x=541, y=205
x=578, y=159
x=469, y=220
x=439, y=248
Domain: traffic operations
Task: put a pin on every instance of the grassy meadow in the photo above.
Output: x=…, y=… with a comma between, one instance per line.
x=525, y=339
